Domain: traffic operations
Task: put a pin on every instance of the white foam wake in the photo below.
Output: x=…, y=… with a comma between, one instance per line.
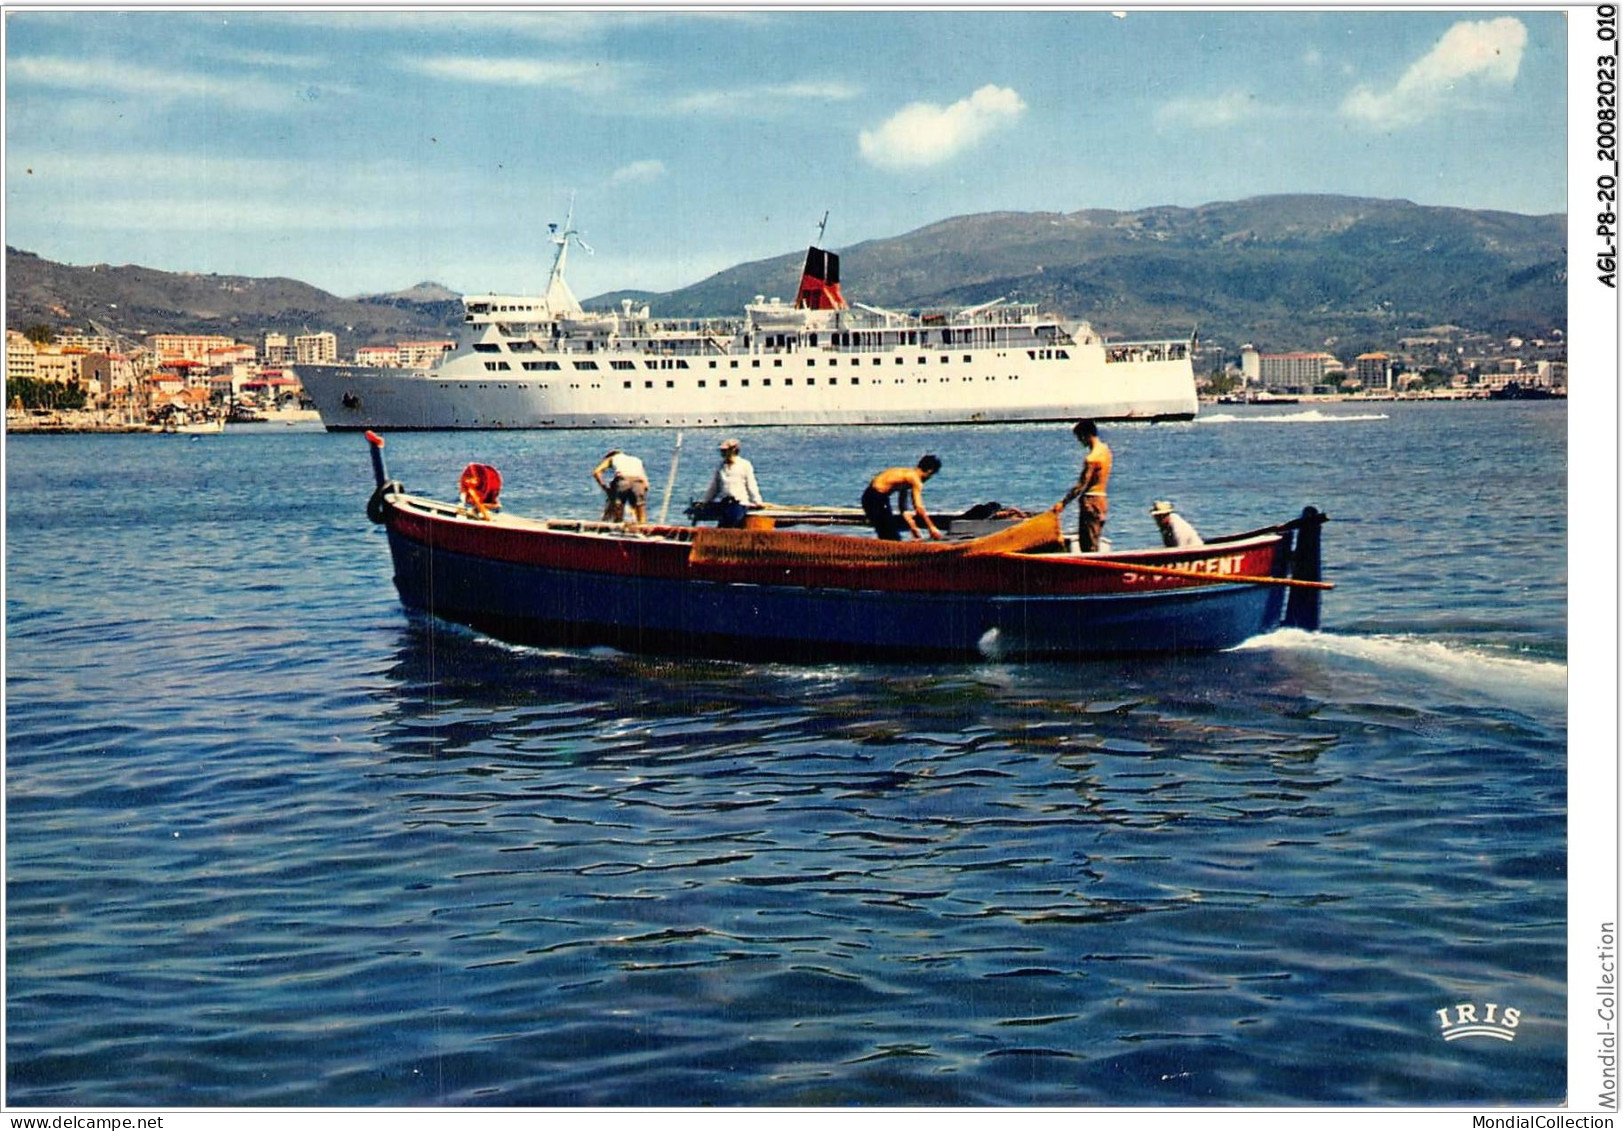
x=1306, y=416
x=1460, y=665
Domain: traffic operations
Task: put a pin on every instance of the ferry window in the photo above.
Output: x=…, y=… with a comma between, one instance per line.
x=856, y=380
x=680, y=364
x=622, y=365
x=921, y=361
x=712, y=365
x=1062, y=355
x=585, y=364
x=833, y=380
x=670, y=384
x=701, y=384
x=877, y=361
x=1032, y=354
x=811, y=362
x=767, y=382
x=732, y=365
x=486, y=347
x=945, y=359
x=745, y=382
x=626, y=385
x=966, y=357
x=648, y=384
x=898, y=361
x=788, y=380
x=724, y=384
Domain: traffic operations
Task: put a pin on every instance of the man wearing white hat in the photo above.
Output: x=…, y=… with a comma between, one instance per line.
x=733, y=486
x=1175, y=531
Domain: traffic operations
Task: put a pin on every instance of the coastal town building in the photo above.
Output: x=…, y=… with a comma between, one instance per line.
x=420, y=355
x=315, y=349
x=1373, y=370
x=86, y=343
x=59, y=368
x=378, y=355
x=1284, y=372
x=277, y=351
x=20, y=355
x=192, y=347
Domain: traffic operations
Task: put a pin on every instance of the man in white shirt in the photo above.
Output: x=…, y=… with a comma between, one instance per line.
x=1175, y=531
x=627, y=483
x=734, y=487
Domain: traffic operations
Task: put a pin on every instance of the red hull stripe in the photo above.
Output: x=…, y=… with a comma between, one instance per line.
x=1008, y=575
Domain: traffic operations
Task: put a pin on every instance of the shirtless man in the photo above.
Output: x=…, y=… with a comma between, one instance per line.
x=1092, y=485
x=876, y=499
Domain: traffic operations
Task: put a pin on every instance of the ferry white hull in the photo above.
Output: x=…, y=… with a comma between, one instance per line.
x=544, y=362
x=989, y=387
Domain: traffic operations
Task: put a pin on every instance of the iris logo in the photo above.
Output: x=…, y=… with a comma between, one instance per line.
x=1487, y=1020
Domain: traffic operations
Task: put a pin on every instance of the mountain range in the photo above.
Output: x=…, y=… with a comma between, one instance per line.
x=1283, y=272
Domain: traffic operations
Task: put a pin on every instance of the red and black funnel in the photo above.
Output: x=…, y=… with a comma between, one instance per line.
x=820, y=282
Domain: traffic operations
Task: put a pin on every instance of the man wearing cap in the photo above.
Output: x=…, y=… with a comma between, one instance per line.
x=627, y=483
x=733, y=487
x=1175, y=531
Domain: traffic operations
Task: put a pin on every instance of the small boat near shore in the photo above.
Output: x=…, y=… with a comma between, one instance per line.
x=1015, y=592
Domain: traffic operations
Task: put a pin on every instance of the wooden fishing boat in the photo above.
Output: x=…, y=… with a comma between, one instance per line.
x=1014, y=593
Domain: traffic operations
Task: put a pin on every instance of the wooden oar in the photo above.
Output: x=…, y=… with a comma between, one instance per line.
x=1196, y=575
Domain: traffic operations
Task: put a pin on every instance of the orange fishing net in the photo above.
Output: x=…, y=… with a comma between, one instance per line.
x=760, y=547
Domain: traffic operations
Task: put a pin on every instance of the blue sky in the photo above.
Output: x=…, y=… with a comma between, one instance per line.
x=366, y=151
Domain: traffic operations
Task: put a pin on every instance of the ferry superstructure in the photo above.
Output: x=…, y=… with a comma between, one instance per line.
x=545, y=362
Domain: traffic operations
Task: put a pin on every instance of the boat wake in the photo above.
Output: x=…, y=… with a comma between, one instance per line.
x=1478, y=669
x=1307, y=416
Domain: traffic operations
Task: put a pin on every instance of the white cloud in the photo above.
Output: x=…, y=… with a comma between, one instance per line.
x=769, y=98
x=113, y=77
x=1220, y=112
x=1487, y=52
x=637, y=172
x=269, y=58
x=925, y=134
x=513, y=72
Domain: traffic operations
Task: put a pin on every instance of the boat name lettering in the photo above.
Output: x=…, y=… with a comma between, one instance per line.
x=1223, y=566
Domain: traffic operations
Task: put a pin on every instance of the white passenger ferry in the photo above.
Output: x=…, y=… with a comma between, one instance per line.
x=544, y=362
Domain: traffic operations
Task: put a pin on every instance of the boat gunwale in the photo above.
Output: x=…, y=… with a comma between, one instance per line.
x=668, y=536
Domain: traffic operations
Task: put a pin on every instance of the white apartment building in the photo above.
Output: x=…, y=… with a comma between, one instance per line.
x=1296, y=371
x=192, y=347
x=62, y=368
x=1374, y=370
x=20, y=355
x=421, y=355
x=378, y=355
x=315, y=349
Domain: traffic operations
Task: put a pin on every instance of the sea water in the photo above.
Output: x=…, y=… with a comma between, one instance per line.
x=272, y=841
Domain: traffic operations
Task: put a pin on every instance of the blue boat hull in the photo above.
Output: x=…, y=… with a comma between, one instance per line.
x=533, y=604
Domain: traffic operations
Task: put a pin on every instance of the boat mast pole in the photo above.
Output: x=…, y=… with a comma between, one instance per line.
x=670, y=480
